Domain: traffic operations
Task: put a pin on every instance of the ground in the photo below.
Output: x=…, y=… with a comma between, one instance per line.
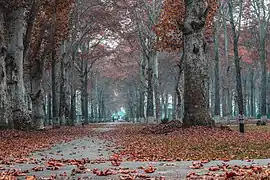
x=123, y=151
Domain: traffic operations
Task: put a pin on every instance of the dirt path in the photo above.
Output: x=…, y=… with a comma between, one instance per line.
x=97, y=152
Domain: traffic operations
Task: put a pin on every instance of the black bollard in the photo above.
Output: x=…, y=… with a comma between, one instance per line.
x=241, y=122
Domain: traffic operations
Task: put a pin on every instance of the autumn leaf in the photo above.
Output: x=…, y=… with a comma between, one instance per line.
x=30, y=178
x=150, y=169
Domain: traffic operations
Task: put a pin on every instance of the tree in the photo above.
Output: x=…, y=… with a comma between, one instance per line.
x=3, y=86
x=14, y=67
x=190, y=22
x=261, y=11
x=235, y=25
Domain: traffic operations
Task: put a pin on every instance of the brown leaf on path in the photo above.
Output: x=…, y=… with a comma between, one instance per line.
x=31, y=178
x=150, y=169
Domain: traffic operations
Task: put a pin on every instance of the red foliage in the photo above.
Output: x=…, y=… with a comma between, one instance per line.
x=172, y=17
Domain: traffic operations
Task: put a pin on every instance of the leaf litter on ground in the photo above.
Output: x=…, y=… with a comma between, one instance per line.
x=160, y=143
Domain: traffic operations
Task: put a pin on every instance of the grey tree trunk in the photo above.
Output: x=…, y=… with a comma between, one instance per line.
x=174, y=105
x=35, y=6
x=226, y=76
x=264, y=71
x=166, y=105
x=3, y=81
x=156, y=87
x=49, y=109
x=85, y=91
x=142, y=89
x=37, y=94
x=72, y=111
x=196, y=108
x=240, y=101
x=14, y=68
x=179, y=104
x=150, y=99
x=62, y=107
x=217, y=85
x=245, y=94
x=53, y=68
x=177, y=88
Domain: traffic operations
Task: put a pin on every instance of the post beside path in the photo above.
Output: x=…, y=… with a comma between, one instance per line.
x=241, y=122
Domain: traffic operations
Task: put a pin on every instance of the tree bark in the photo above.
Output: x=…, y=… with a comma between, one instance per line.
x=85, y=91
x=72, y=111
x=14, y=68
x=217, y=85
x=240, y=101
x=264, y=70
x=62, y=107
x=156, y=87
x=150, y=97
x=49, y=109
x=3, y=81
x=166, y=105
x=30, y=25
x=37, y=93
x=195, y=66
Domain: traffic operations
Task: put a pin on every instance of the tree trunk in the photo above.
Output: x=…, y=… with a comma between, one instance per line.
x=37, y=93
x=195, y=66
x=14, y=68
x=35, y=6
x=174, y=102
x=85, y=91
x=166, y=105
x=177, y=90
x=240, y=101
x=3, y=85
x=217, y=86
x=264, y=71
x=62, y=91
x=72, y=111
x=37, y=103
x=245, y=94
x=179, y=103
x=156, y=86
x=150, y=102
x=49, y=109
x=64, y=101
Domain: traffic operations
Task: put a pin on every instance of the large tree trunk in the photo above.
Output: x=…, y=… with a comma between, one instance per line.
x=3, y=85
x=37, y=94
x=37, y=103
x=195, y=66
x=14, y=67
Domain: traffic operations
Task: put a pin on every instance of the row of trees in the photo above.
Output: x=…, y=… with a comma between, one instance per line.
x=146, y=51
x=48, y=51
x=235, y=56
